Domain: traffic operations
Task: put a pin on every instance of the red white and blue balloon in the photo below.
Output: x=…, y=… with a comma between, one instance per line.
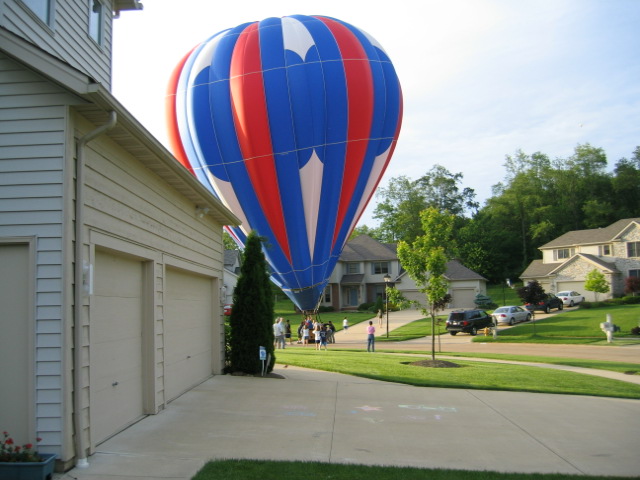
x=291, y=122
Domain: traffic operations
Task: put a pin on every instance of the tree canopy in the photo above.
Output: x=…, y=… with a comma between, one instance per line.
x=538, y=200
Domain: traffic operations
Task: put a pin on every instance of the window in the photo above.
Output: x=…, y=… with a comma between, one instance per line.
x=605, y=250
x=634, y=273
x=42, y=9
x=96, y=20
x=353, y=267
x=633, y=249
x=379, y=267
x=327, y=294
x=563, y=253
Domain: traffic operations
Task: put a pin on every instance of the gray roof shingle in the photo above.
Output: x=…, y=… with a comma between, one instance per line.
x=591, y=236
x=364, y=248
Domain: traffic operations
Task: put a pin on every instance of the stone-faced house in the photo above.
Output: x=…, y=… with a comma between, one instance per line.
x=111, y=252
x=566, y=260
x=359, y=277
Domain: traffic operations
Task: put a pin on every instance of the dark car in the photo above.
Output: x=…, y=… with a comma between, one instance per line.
x=549, y=302
x=468, y=321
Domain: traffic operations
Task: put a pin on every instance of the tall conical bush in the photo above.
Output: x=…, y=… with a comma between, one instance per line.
x=252, y=315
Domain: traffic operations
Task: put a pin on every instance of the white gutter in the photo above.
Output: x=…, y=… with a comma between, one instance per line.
x=78, y=385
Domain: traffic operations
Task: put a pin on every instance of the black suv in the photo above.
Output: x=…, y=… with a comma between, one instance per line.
x=468, y=321
x=550, y=301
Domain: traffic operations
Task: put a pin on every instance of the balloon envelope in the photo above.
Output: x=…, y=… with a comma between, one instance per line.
x=291, y=122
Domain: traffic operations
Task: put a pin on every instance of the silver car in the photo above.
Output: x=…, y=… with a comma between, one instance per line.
x=570, y=298
x=510, y=314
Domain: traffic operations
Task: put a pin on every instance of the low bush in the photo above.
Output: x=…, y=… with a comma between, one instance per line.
x=628, y=300
x=323, y=309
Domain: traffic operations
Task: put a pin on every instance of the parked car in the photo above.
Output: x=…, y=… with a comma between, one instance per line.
x=570, y=298
x=227, y=309
x=468, y=321
x=510, y=314
x=549, y=302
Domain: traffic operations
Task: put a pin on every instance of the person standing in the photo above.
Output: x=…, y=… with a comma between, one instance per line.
x=330, y=331
x=380, y=318
x=305, y=334
x=323, y=333
x=371, y=337
x=345, y=324
x=287, y=331
x=278, y=333
x=316, y=335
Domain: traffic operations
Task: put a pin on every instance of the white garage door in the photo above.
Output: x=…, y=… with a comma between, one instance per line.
x=188, y=332
x=577, y=287
x=116, y=345
x=463, y=298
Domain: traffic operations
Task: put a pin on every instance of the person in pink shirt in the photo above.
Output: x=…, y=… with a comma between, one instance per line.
x=371, y=337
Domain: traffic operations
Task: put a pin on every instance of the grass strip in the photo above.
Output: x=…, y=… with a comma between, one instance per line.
x=277, y=470
x=472, y=375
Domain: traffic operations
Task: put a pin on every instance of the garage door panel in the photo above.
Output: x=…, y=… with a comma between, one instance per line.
x=463, y=297
x=116, y=344
x=188, y=331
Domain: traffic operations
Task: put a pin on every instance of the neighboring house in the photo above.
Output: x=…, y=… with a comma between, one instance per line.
x=566, y=261
x=232, y=262
x=110, y=251
x=359, y=277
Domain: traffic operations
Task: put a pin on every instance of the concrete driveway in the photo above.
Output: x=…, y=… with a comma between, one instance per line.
x=313, y=415
x=316, y=415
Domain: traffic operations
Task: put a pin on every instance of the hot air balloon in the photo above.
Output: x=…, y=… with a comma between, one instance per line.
x=291, y=122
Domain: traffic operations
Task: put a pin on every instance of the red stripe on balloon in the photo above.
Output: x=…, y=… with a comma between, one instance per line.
x=173, y=131
x=360, y=111
x=251, y=122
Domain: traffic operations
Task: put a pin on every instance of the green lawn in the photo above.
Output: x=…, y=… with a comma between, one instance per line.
x=503, y=295
x=471, y=375
x=272, y=470
x=576, y=326
x=415, y=329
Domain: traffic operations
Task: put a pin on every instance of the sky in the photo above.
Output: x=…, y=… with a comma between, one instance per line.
x=481, y=79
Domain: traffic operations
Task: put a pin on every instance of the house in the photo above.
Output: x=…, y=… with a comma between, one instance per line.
x=232, y=262
x=359, y=277
x=111, y=252
x=614, y=251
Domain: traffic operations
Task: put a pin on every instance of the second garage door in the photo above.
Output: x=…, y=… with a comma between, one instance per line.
x=188, y=331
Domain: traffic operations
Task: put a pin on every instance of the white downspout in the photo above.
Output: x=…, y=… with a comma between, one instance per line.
x=78, y=423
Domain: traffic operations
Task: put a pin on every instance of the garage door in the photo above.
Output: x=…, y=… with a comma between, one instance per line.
x=116, y=345
x=188, y=332
x=577, y=287
x=463, y=298
x=14, y=341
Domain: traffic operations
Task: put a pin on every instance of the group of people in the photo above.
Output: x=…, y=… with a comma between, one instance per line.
x=312, y=330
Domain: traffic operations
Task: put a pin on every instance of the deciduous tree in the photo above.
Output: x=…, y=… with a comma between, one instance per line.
x=425, y=262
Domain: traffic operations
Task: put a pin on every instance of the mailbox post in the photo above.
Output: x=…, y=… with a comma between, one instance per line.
x=608, y=328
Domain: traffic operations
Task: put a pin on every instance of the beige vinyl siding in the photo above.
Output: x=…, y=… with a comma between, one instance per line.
x=67, y=37
x=33, y=119
x=130, y=209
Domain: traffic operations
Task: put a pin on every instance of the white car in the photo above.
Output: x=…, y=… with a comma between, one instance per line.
x=510, y=314
x=570, y=298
